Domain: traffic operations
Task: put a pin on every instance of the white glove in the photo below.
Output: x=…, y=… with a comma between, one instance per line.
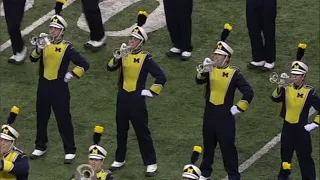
x=207, y=61
x=311, y=126
x=47, y=42
x=68, y=77
x=43, y=34
x=234, y=110
x=283, y=76
x=146, y=93
x=123, y=46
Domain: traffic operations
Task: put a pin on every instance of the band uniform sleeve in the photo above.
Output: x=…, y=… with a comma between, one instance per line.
x=246, y=90
x=35, y=56
x=81, y=63
x=19, y=166
x=113, y=64
x=202, y=78
x=156, y=72
x=109, y=176
x=315, y=102
x=278, y=95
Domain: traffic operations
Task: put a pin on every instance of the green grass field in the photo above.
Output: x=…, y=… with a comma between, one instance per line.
x=176, y=115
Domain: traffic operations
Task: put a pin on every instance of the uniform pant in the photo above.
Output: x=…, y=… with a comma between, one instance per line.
x=295, y=138
x=92, y=13
x=54, y=94
x=14, y=10
x=219, y=127
x=132, y=106
x=261, y=17
x=178, y=17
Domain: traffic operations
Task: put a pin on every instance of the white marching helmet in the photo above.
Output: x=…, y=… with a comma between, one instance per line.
x=96, y=151
x=58, y=22
x=8, y=132
x=191, y=171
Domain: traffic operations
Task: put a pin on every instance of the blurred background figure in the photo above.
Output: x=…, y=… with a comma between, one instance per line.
x=261, y=17
x=191, y=171
x=14, y=164
x=178, y=17
x=14, y=10
x=92, y=14
x=97, y=154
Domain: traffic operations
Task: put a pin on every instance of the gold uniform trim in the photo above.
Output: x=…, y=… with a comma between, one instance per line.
x=317, y=119
x=131, y=67
x=111, y=63
x=62, y=1
x=156, y=88
x=219, y=83
x=295, y=101
x=34, y=54
x=8, y=166
x=199, y=76
x=243, y=105
x=78, y=71
x=53, y=56
x=275, y=93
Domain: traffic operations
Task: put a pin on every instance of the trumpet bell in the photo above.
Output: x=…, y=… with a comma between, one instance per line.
x=40, y=41
x=85, y=172
x=283, y=79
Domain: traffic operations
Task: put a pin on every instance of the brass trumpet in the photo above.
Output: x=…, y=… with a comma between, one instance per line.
x=284, y=79
x=205, y=66
x=123, y=51
x=41, y=41
x=85, y=172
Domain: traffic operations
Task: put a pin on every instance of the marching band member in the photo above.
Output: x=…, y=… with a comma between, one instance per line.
x=131, y=103
x=14, y=164
x=219, y=122
x=53, y=89
x=179, y=24
x=97, y=154
x=92, y=14
x=296, y=100
x=190, y=171
x=14, y=11
x=261, y=24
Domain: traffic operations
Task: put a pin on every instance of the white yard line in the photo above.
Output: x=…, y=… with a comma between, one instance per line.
x=34, y=25
x=245, y=165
